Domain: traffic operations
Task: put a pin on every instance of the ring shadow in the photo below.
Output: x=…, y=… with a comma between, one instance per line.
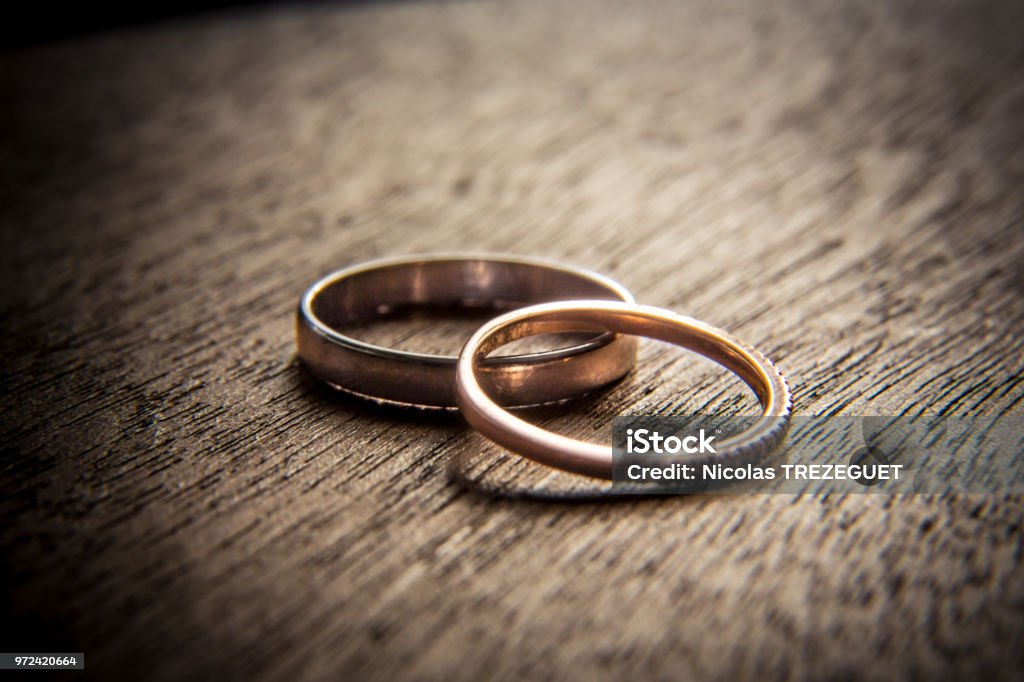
x=461, y=436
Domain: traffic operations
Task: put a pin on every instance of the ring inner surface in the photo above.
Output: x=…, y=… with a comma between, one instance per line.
x=389, y=290
x=691, y=338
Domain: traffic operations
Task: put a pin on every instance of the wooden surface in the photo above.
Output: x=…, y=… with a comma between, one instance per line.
x=837, y=183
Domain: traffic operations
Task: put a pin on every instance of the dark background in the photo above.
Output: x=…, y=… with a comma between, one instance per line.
x=36, y=23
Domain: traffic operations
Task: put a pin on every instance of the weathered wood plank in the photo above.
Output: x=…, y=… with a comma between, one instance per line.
x=838, y=183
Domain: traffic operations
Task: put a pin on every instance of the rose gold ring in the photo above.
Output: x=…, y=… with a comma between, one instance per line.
x=500, y=283
x=592, y=459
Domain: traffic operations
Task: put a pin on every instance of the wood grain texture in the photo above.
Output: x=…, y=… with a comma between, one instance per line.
x=837, y=183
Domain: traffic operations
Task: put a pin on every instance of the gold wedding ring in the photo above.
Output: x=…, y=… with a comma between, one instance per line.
x=592, y=459
x=367, y=291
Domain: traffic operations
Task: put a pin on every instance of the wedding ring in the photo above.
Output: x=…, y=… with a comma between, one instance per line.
x=592, y=459
x=368, y=291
